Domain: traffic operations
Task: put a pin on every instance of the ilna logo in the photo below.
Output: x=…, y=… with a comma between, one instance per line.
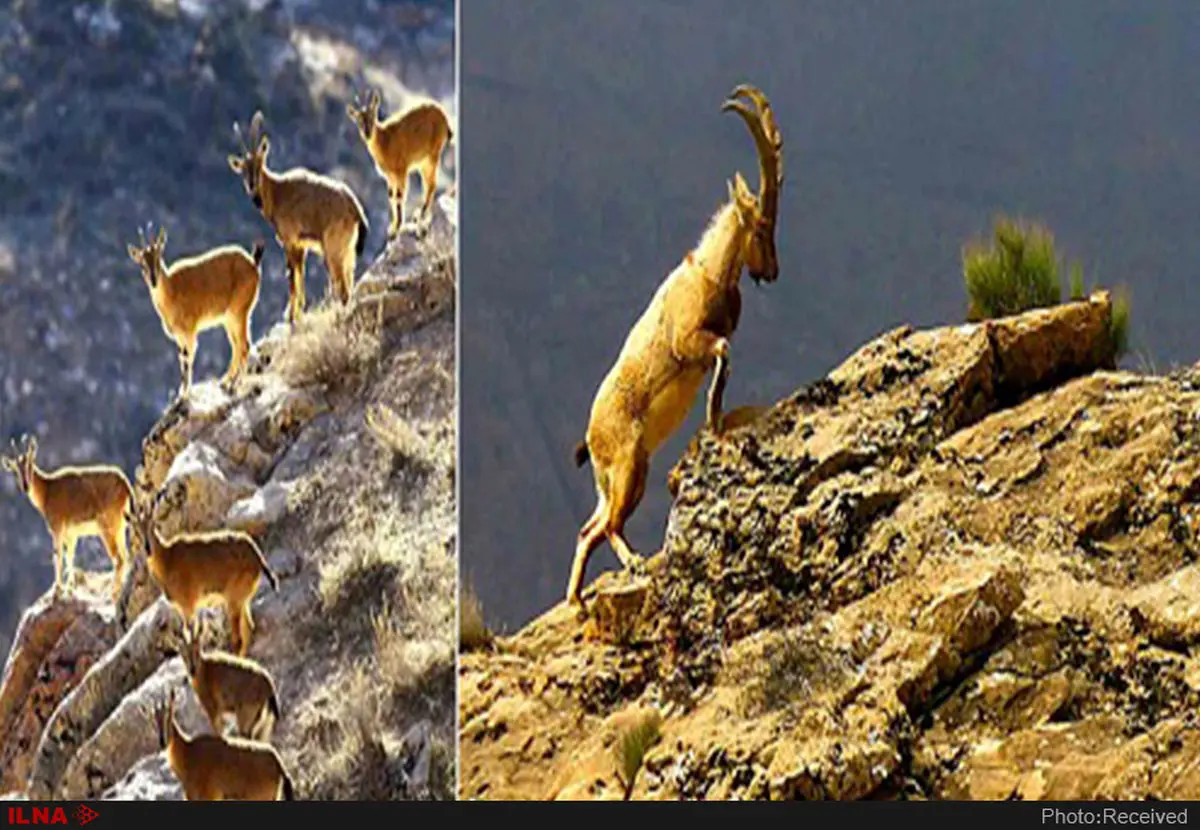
x=50, y=815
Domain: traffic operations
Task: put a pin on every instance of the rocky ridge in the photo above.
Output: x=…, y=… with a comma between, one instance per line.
x=961, y=566
x=336, y=450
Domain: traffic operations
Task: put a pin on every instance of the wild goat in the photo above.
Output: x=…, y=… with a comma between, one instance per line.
x=412, y=140
x=683, y=333
x=76, y=502
x=217, y=768
x=226, y=684
x=217, y=288
x=308, y=211
x=194, y=568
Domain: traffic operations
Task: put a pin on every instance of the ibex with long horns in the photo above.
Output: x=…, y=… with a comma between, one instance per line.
x=681, y=335
x=76, y=502
x=309, y=212
x=218, y=288
x=411, y=140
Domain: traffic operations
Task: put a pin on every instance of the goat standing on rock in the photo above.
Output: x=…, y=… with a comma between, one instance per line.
x=217, y=288
x=217, y=768
x=682, y=334
x=308, y=212
x=195, y=568
x=76, y=502
x=407, y=141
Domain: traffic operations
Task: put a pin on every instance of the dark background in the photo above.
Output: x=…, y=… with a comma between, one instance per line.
x=114, y=113
x=594, y=152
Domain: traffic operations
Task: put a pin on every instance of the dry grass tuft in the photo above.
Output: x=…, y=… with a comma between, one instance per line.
x=331, y=348
x=473, y=632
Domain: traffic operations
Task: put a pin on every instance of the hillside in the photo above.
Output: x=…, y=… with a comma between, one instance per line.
x=960, y=566
x=337, y=451
x=115, y=113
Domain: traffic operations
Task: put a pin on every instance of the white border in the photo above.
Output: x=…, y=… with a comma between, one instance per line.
x=458, y=183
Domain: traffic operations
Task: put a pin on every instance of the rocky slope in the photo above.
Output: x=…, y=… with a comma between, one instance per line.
x=336, y=450
x=83, y=360
x=962, y=566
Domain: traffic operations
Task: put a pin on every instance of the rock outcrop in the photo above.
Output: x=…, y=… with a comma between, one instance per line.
x=959, y=567
x=355, y=514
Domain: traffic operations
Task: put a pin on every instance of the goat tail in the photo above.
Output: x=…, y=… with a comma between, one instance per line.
x=273, y=705
x=582, y=454
x=257, y=253
x=262, y=564
x=289, y=789
x=361, y=243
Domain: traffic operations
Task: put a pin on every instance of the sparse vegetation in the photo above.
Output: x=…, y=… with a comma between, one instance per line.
x=789, y=668
x=1118, y=322
x=328, y=349
x=1017, y=270
x=473, y=633
x=631, y=747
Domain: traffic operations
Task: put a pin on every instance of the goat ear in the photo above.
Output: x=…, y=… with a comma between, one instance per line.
x=135, y=253
x=264, y=144
x=236, y=164
x=352, y=112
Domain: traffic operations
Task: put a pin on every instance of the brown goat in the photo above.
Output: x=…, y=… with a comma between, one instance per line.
x=76, y=502
x=226, y=684
x=404, y=142
x=217, y=288
x=308, y=211
x=683, y=333
x=194, y=568
x=217, y=768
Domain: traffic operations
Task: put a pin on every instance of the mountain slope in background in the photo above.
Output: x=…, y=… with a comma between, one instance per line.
x=114, y=114
x=597, y=153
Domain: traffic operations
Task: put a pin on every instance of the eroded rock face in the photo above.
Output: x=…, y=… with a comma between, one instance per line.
x=960, y=566
x=56, y=644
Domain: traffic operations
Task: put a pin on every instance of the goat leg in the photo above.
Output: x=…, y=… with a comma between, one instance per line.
x=716, y=394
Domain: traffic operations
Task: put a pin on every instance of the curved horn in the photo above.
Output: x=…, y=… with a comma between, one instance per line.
x=256, y=124
x=241, y=139
x=761, y=123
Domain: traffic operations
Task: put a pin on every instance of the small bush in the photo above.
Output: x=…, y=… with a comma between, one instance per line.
x=329, y=347
x=473, y=632
x=1118, y=322
x=631, y=747
x=1016, y=271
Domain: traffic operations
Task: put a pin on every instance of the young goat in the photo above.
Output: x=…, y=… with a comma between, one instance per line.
x=226, y=684
x=308, y=211
x=683, y=333
x=404, y=142
x=217, y=288
x=194, y=568
x=76, y=502
x=216, y=768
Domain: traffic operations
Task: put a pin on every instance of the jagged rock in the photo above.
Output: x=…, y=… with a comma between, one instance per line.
x=180, y=424
x=419, y=752
x=129, y=734
x=259, y=511
x=150, y=779
x=121, y=670
x=200, y=488
x=1168, y=611
x=56, y=644
x=960, y=566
